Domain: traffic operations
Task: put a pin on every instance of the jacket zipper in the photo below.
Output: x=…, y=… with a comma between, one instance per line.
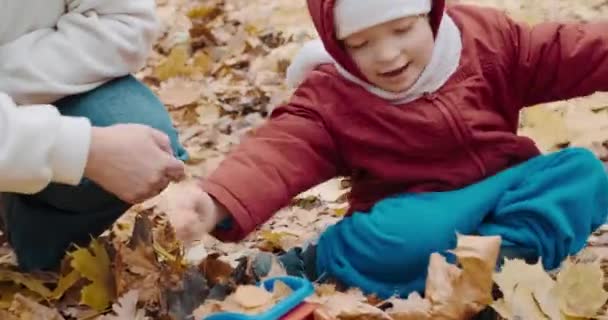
x=433, y=98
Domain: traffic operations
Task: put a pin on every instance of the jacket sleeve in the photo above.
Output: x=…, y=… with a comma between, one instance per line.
x=558, y=61
x=39, y=146
x=292, y=152
x=93, y=42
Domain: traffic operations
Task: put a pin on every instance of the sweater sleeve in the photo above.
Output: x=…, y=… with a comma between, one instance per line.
x=39, y=146
x=292, y=152
x=93, y=42
x=558, y=61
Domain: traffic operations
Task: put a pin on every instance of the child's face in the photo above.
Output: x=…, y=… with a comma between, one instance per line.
x=392, y=55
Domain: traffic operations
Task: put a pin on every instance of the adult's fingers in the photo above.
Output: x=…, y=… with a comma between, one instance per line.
x=175, y=169
x=161, y=184
x=162, y=140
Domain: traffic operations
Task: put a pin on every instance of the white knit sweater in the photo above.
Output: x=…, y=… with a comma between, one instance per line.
x=50, y=49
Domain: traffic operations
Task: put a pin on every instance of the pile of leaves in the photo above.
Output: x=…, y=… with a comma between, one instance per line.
x=219, y=67
x=148, y=278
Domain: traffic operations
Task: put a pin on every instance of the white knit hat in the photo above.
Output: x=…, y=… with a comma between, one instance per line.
x=352, y=16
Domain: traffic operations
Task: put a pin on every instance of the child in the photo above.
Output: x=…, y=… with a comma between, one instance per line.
x=419, y=106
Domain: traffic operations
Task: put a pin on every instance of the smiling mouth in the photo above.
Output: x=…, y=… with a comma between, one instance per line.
x=395, y=72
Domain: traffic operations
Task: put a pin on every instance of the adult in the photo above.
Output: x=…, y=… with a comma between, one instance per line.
x=70, y=108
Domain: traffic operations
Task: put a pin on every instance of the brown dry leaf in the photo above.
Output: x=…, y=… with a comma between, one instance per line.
x=580, y=288
x=136, y=264
x=8, y=292
x=206, y=309
x=202, y=62
x=250, y=297
x=440, y=279
x=413, y=308
x=546, y=127
x=126, y=308
x=93, y=263
x=28, y=309
x=174, y=65
x=598, y=252
x=135, y=270
x=478, y=257
x=440, y=290
x=80, y=313
x=451, y=293
x=207, y=114
x=179, y=92
x=325, y=289
x=460, y=294
x=247, y=299
x=347, y=305
x=280, y=290
x=215, y=270
x=237, y=43
x=141, y=261
x=5, y=315
x=32, y=283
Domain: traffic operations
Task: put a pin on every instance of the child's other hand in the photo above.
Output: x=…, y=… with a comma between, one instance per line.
x=193, y=212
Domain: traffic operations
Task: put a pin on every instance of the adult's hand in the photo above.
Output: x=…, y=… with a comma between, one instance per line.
x=132, y=161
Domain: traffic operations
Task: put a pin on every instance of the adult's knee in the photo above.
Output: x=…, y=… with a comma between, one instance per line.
x=123, y=100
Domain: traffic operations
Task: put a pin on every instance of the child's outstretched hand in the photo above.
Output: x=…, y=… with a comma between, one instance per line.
x=193, y=212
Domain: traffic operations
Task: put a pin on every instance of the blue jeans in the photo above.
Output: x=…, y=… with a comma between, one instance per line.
x=42, y=226
x=547, y=207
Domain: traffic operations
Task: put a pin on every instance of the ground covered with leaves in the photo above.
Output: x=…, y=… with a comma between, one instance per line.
x=219, y=67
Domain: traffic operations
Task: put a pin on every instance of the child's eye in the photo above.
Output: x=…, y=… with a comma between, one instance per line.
x=402, y=30
x=358, y=45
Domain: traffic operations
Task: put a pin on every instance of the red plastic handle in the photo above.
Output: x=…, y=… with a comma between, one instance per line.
x=304, y=311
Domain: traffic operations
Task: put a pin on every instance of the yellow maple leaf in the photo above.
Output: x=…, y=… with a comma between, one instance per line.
x=93, y=263
x=65, y=283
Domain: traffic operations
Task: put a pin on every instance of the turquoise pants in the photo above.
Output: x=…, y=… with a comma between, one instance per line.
x=547, y=206
x=42, y=226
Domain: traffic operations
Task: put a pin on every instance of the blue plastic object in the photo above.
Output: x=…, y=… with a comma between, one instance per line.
x=301, y=287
